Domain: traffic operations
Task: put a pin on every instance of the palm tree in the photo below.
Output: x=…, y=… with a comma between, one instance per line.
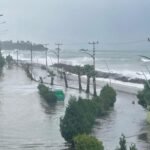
x=94, y=82
x=52, y=75
x=65, y=79
x=89, y=71
x=79, y=70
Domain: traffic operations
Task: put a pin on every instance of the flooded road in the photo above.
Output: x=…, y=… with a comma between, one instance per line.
x=28, y=122
x=126, y=118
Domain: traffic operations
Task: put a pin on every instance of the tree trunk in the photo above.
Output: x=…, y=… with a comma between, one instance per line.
x=79, y=80
x=94, y=86
x=88, y=85
x=65, y=79
x=52, y=80
x=41, y=80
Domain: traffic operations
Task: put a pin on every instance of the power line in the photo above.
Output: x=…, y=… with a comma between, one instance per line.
x=124, y=43
x=110, y=43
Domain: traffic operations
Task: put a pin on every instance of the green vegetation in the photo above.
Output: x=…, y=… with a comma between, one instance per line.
x=9, y=59
x=133, y=147
x=79, y=71
x=47, y=94
x=144, y=96
x=79, y=118
x=86, y=142
x=2, y=61
x=108, y=96
x=89, y=71
x=27, y=68
x=123, y=144
x=80, y=114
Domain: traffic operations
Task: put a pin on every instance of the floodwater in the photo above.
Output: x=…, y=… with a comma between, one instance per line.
x=28, y=122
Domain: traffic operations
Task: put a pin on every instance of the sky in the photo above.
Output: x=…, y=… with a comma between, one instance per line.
x=77, y=21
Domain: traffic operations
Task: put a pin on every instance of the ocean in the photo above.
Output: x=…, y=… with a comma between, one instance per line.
x=126, y=62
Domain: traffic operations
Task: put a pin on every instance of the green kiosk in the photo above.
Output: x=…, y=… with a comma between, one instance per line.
x=59, y=94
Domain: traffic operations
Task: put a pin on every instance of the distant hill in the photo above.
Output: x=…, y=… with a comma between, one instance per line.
x=21, y=45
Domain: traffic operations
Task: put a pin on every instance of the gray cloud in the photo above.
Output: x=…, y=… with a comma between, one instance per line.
x=77, y=20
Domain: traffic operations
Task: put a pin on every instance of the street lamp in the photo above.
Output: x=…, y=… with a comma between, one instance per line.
x=86, y=52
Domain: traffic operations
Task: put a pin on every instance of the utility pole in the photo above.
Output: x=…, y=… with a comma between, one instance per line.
x=0, y=41
x=31, y=51
x=94, y=78
x=0, y=47
x=58, y=51
x=46, y=51
x=17, y=57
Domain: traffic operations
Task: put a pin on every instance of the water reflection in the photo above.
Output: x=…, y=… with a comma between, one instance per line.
x=126, y=118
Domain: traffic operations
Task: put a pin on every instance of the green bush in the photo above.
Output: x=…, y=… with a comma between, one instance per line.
x=144, y=96
x=133, y=147
x=123, y=144
x=9, y=59
x=86, y=142
x=80, y=114
x=48, y=95
x=2, y=61
x=108, y=96
x=79, y=118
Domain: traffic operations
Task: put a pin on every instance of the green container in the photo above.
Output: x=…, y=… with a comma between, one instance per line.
x=60, y=95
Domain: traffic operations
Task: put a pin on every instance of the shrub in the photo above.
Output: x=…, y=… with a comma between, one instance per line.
x=79, y=118
x=86, y=142
x=80, y=114
x=2, y=61
x=45, y=92
x=108, y=96
x=123, y=144
x=9, y=59
x=144, y=96
x=133, y=147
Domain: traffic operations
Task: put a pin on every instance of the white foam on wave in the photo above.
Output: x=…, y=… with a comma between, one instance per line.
x=145, y=60
x=75, y=61
x=112, y=81
x=127, y=73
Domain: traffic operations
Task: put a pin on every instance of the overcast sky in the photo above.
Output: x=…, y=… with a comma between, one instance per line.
x=70, y=21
